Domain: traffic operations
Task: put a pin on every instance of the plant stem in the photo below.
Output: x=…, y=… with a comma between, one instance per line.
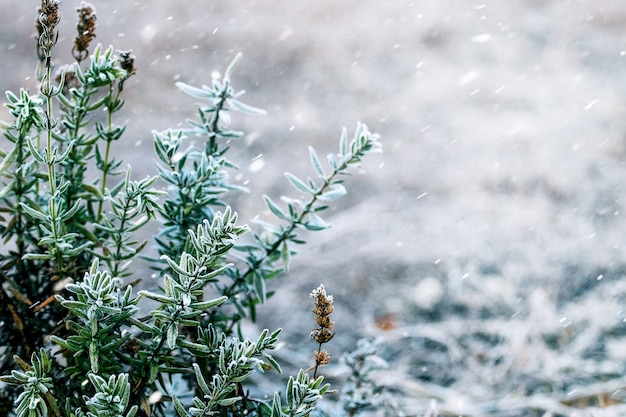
x=107, y=152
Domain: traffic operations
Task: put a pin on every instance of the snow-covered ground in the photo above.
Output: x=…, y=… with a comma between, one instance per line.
x=486, y=246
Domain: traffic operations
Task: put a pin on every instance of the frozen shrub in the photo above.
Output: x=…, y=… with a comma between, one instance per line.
x=69, y=217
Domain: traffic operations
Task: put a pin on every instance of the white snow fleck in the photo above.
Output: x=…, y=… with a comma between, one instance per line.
x=482, y=38
x=257, y=163
x=590, y=105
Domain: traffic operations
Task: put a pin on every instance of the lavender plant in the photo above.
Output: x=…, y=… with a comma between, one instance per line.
x=96, y=346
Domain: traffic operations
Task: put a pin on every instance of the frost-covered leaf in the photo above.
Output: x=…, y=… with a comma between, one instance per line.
x=298, y=183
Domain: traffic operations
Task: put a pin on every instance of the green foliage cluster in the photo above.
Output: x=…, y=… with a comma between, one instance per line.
x=75, y=339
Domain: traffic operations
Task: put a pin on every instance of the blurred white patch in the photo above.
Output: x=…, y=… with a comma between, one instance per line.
x=251, y=137
x=60, y=285
x=427, y=293
x=155, y=397
x=468, y=77
x=257, y=164
x=177, y=156
x=482, y=38
x=147, y=33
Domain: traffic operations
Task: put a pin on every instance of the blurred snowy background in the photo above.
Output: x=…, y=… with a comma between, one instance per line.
x=485, y=247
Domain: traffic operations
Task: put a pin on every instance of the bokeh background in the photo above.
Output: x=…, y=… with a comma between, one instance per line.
x=485, y=247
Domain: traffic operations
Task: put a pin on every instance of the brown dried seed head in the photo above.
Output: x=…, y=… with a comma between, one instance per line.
x=321, y=357
x=86, y=29
x=49, y=16
x=46, y=24
x=127, y=62
x=323, y=309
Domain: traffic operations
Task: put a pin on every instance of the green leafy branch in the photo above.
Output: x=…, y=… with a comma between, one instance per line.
x=269, y=254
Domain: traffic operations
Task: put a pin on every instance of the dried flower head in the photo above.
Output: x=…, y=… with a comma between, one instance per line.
x=127, y=62
x=321, y=357
x=46, y=24
x=323, y=309
x=323, y=333
x=86, y=28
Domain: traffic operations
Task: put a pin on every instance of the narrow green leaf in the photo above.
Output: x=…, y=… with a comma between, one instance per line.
x=244, y=108
x=315, y=161
x=205, y=305
x=72, y=211
x=285, y=255
x=34, y=152
x=133, y=411
x=193, y=346
x=335, y=192
x=200, y=379
x=260, y=288
x=38, y=256
x=343, y=142
x=226, y=402
x=178, y=406
x=93, y=356
x=37, y=214
x=172, y=334
x=274, y=208
x=298, y=183
x=274, y=363
x=315, y=223
x=276, y=406
x=193, y=91
x=10, y=157
x=157, y=297
x=232, y=65
x=154, y=371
